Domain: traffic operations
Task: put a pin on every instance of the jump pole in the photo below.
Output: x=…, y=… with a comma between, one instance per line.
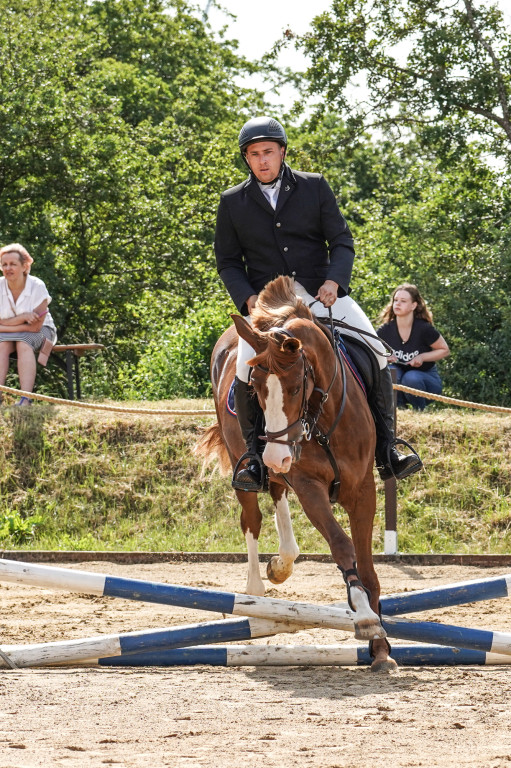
x=448, y=595
x=141, y=642
x=296, y=655
x=135, y=589
x=231, y=630
x=422, y=631
x=155, y=642
x=447, y=634
x=171, y=594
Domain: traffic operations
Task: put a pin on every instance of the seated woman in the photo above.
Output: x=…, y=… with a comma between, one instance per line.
x=26, y=326
x=408, y=328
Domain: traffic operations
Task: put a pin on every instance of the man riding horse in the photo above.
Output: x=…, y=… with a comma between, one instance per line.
x=286, y=222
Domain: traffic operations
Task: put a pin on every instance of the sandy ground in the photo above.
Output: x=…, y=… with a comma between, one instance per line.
x=322, y=717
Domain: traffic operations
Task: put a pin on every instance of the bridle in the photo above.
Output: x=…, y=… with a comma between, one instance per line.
x=299, y=428
x=305, y=425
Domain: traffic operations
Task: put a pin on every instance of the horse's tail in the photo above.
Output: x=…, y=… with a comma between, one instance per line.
x=212, y=448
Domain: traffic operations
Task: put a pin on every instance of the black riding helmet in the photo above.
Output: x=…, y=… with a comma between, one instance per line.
x=261, y=129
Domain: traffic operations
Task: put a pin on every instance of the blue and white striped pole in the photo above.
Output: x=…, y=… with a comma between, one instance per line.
x=229, y=630
x=446, y=596
x=447, y=634
x=145, y=641
x=134, y=589
x=265, y=608
x=317, y=655
x=171, y=594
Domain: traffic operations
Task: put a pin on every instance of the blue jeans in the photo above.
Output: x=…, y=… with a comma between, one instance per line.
x=427, y=381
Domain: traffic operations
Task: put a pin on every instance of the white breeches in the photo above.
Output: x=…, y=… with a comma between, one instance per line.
x=343, y=309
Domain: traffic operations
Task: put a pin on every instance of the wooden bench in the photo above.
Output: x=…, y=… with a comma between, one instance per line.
x=67, y=357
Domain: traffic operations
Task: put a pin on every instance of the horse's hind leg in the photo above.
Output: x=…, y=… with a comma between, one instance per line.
x=251, y=526
x=280, y=567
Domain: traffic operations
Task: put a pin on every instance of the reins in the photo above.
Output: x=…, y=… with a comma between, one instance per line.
x=309, y=425
x=323, y=438
x=359, y=331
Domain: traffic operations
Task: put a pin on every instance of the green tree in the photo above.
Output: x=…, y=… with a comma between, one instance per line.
x=441, y=68
x=444, y=226
x=119, y=123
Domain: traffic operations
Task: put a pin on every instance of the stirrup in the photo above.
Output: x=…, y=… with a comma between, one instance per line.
x=253, y=458
x=386, y=470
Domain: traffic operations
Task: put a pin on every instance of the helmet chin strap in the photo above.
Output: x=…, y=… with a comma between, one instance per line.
x=273, y=181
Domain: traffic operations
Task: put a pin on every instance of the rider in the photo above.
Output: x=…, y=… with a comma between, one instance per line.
x=278, y=222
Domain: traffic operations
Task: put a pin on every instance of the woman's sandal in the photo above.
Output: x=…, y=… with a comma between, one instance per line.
x=24, y=401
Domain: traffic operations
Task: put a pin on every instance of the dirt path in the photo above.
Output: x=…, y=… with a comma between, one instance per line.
x=230, y=717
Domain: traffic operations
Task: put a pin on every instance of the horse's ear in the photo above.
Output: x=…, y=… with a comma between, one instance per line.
x=291, y=345
x=286, y=342
x=249, y=334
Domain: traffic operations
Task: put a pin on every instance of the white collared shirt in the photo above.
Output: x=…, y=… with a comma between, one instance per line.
x=33, y=294
x=271, y=193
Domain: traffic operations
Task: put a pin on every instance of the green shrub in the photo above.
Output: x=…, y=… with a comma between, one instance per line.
x=14, y=529
x=176, y=363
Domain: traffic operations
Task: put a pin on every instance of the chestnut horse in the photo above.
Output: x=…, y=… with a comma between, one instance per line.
x=304, y=391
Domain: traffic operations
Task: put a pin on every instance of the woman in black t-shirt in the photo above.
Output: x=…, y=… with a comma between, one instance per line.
x=408, y=328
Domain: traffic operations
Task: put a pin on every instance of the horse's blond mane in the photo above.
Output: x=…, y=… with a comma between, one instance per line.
x=277, y=303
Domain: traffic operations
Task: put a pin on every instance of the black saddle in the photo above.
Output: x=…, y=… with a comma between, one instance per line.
x=364, y=360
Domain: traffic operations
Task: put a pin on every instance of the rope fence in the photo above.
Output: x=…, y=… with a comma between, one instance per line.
x=106, y=407
x=452, y=400
x=212, y=412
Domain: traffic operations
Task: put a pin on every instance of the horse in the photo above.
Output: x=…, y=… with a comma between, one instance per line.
x=320, y=442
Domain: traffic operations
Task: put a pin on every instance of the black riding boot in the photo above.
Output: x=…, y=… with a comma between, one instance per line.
x=251, y=476
x=389, y=461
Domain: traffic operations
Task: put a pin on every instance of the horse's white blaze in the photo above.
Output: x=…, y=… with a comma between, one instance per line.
x=288, y=548
x=276, y=456
x=255, y=584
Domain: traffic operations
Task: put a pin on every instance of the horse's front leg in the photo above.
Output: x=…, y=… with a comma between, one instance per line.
x=313, y=496
x=251, y=526
x=280, y=567
x=361, y=524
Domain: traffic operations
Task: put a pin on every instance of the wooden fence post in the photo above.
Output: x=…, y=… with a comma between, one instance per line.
x=390, y=540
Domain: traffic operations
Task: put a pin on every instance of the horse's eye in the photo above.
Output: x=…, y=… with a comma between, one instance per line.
x=296, y=390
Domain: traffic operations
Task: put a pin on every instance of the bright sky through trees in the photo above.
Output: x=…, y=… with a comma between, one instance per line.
x=258, y=27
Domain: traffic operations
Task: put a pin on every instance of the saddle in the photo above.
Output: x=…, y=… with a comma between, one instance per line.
x=361, y=359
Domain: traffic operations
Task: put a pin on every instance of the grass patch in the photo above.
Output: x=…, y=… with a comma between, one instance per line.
x=88, y=480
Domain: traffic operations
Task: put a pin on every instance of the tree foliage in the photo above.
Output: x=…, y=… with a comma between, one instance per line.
x=116, y=116
x=119, y=131
x=442, y=67
x=444, y=227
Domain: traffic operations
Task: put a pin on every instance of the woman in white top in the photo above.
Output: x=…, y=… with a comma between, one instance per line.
x=26, y=326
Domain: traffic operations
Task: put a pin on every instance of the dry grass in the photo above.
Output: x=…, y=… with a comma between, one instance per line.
x=77, y=479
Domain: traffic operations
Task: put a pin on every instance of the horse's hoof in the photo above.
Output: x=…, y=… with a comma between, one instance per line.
x=386, y=666
x=276, y=574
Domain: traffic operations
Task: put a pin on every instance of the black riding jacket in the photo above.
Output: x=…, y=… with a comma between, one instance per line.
x=305, y=237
